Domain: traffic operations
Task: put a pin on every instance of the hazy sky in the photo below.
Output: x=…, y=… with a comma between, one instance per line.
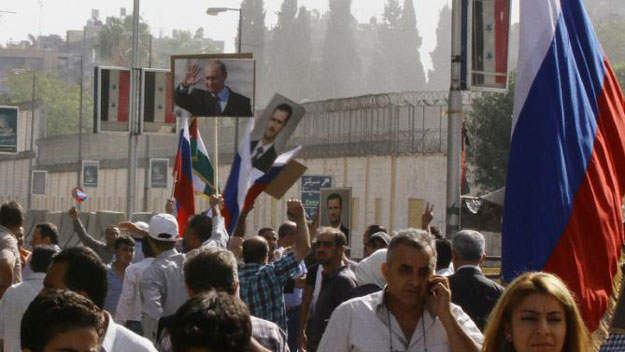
x=57, y=16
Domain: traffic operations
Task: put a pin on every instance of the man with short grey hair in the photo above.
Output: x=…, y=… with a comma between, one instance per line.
x=470, y=289
x=413, y=313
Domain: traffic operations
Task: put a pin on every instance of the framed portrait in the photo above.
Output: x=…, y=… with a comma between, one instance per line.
x=90, y=170
x=213, y=85
x=39, y=182
x=159, y=171
x=8, y=129
x=156, y=109
x=335, y=209
x=112, y=99
x=272, y=130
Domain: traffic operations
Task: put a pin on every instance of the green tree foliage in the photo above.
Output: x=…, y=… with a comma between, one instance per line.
x=302, y=57
x=381, y=75
x=115, y=41
x=180, y=43
x=411, y=75
x=253, y=41
x=489, y=126
x=439, y=75
x=60, y=100
x=340, y=68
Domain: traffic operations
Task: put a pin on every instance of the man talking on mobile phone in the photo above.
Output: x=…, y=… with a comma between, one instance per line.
x=412, y=313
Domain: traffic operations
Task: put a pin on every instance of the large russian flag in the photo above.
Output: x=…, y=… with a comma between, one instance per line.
x=245, y=182
x=566, y=172
x=183, y=178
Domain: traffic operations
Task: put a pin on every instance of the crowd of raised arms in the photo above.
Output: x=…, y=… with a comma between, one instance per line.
x=291, y=288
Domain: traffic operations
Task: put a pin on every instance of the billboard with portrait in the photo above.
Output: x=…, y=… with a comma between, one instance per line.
x=90, y=170
x=213, y=85
x=335, y=209
x=8, y=129
x=272, y=130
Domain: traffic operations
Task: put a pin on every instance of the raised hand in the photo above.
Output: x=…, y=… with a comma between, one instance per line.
x=216, y=202
x=294, y=209
x=73, y=213
x=427, y=216
x=191, y=75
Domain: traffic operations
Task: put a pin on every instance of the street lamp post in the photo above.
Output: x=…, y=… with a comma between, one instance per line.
x=214, y=11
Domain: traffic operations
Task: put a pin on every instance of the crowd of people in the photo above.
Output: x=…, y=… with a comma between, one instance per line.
x=293, y=288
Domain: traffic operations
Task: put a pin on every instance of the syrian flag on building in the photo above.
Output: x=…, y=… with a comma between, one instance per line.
x=114, y=95
x=490, y=35
x=158, y=97
x=203, y=171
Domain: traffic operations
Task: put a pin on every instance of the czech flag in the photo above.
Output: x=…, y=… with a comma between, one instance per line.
x=566, y=172
x=245, y=182
x=183, y=178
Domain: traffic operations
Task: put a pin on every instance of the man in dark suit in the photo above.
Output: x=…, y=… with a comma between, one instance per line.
x=263, y=152
x=470, y=289
x=335, y=209
x=217, y=100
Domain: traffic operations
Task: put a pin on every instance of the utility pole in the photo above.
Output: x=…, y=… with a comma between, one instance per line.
x=454, y=123
x=134, y=125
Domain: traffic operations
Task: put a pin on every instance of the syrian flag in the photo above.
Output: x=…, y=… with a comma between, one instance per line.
x=203, y=171
x=566, y=174
x=115, y=95
x=490, y=36
x=245, y=182
x=158, y=97
x=183, y=182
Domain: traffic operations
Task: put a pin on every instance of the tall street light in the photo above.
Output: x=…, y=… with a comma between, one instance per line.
x=214, y=11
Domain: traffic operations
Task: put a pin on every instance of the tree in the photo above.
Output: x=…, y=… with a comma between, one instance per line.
x=381, y=74
x=60, y=100
x=340, y=67
x=180, y=42
x=410, y=74
x=302, y=56
x=489, y=128
x=115, y=41
x=281, y=65
x=439, y=75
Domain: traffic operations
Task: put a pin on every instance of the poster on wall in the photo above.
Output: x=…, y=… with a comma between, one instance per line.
x=335, y=209
x=90, y=170
x=112, y=99
x=311, y=192
x=8, y=129
x=213, y=85
x=158, y=172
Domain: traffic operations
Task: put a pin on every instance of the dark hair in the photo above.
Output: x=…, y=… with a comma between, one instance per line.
x=146, y=248
x=339, y=236
x=443, y=253
x=286, y=108
x=371, y=229
x=214, y=320
x=56, y=312
x=85, y=272
x=48, y=230
x=210, y=269
x=124, y=239
x=41, y=258
x=255, y=250
x=263, y=230
x=286, y=229
x=335, y=196
x=11, y=214
x=162, y=245
x=202, y=225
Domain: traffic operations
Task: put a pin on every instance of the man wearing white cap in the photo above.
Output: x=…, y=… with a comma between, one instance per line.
x=162, y=284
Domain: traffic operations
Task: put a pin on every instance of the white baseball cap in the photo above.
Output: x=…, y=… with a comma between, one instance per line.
x=164, y=227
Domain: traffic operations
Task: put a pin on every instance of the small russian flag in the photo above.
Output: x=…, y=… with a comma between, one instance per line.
x=79, y=195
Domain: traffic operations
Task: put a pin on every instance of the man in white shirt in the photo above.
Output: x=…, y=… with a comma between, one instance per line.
x=413, y=313
x=81, y=270
x=17, y=298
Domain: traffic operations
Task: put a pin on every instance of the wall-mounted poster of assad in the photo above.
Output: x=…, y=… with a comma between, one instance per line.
x=90, y=170
x=8, y=129
x=214, y=85
x=159, y=169
x=335, y=209
x=272, y=130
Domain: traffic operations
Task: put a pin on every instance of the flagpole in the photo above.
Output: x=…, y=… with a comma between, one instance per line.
x=216, y=152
